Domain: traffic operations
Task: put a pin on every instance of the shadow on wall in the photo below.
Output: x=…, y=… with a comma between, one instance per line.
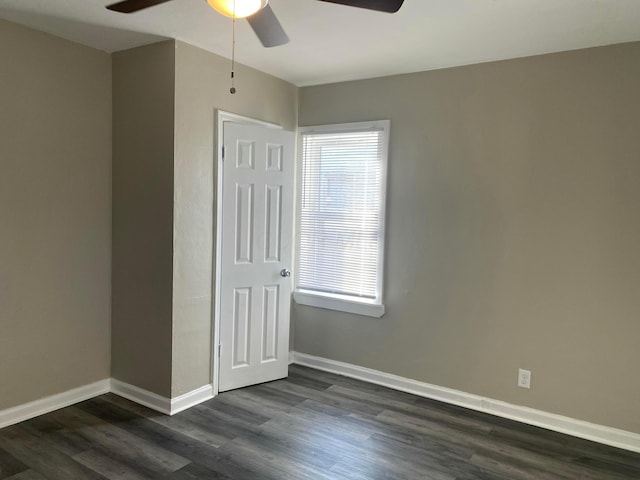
x=457, y=227
x=85, y=33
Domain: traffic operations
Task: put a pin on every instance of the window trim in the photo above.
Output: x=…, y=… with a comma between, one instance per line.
x=345, y=303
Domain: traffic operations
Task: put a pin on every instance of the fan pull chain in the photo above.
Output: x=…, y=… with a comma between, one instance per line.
x=232, y=90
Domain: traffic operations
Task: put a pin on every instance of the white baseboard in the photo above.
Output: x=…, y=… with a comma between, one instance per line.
x=550, y=421
x=168, y=406
x=143, y=397
x=33, y=409
x=191, y=399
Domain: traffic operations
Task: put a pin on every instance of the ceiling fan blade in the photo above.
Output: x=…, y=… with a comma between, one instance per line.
x=268, y=28
x=130, y=6
x=389, y=6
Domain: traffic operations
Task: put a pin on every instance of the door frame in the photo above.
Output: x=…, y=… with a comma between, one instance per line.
x=221, y=118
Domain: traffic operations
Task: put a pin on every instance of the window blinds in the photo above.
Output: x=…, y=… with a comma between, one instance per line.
x=341, y=213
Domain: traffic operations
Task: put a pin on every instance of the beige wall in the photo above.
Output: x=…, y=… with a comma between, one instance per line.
x=143, y=115
x=512, y=222
x=164, y=101
x=202, y=86
x=165, y=98
x=55, y=215
x=513, y=228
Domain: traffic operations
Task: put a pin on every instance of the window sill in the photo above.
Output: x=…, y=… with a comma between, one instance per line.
x=338, y=304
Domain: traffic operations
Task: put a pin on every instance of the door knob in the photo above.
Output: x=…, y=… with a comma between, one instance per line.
x=285, y=273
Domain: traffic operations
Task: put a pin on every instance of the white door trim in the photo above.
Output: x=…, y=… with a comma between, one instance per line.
x=222, y=117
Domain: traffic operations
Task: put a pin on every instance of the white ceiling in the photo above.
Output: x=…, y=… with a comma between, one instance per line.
x=332, y=42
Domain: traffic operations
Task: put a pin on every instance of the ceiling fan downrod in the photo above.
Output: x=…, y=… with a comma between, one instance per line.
x=232, y=90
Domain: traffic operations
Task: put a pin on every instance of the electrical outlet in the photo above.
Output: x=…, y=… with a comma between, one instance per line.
x=524, y=378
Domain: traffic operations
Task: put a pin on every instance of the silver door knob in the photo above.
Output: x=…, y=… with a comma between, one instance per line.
x=285, y=273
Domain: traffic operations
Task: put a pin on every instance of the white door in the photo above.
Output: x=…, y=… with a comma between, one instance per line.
x=257, y=222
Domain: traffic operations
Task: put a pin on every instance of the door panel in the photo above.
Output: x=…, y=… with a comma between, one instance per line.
x=271, y=296
x=273, y=223
x=257, y=221
x=241, y=326
x=244, y=223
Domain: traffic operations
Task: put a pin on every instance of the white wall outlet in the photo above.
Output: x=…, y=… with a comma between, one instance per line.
x=524, y=378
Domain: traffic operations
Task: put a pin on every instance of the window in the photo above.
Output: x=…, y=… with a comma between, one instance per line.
x=340, y=228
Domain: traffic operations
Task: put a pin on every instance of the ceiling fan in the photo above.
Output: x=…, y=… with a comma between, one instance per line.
x=258, y=13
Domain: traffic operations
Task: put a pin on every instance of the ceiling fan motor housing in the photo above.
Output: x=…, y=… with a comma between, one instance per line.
x=261, y=17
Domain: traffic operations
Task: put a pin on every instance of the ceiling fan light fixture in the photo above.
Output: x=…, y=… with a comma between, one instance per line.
x=243, y=8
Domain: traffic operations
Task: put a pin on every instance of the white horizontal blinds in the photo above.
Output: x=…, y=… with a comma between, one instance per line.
x=340, y=212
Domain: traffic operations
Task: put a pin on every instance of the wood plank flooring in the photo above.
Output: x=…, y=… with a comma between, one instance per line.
x=313, y=425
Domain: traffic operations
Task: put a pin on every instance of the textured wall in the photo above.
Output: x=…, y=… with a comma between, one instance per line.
x=512, y=231
x=55, y=215
x=143, y=114
x=202, y=86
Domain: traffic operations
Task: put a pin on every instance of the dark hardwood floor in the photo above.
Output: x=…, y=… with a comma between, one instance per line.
x=313, y=425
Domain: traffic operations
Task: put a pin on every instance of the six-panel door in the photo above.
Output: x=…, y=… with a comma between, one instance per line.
x=257, y=220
